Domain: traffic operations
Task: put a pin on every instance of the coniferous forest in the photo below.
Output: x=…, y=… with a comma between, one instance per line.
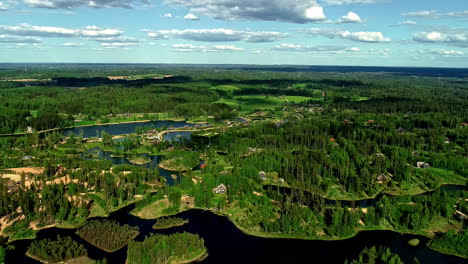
x=107, y=235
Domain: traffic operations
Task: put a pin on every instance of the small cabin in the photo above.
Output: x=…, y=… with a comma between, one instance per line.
x=422, y=165
x=262, y=175
x=220, y=189
x=224, y=172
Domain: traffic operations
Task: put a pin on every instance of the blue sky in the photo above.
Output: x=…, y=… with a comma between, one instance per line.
x=429, y=33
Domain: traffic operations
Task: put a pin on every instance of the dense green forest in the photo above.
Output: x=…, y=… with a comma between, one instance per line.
x=107, y=235
x=167, y=222
x=159, y=249
x=376, y=255
x=296, y=153
x=58, y=250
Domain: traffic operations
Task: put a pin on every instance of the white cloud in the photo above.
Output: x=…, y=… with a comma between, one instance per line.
x=347, y=2
x=3, y=6
x=314, y=49
x=436, y=14
x=191, y=16
x=350, y=17
x=344, y=34
x=70, y=44
x=304, y=11
x=45, y=31
x=456, y=38
x=167, y=15
x=117, y=39
x=228, y=48
x=218, y=35
x=18, y=39
x=443, y=52
x=70, y=4
x=408, y=22
x=216, y=48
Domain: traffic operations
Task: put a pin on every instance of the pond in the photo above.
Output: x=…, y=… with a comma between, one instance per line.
x=227, y=244
x=177, y=135
x=98, y=153
x=123, y=128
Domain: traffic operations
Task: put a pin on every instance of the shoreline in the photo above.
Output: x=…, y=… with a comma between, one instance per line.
x=105, y=124
x=85, y=257
x=278, y=236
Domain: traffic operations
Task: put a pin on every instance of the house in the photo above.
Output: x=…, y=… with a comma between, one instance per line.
x=422, y=165
x=224, y=172
x=28, y=158
x=220, y=189
x=30, y=130
x=262, y=175
x=400, y=130
x=383, y=177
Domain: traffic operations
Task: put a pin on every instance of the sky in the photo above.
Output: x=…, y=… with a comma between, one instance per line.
x=427, y=33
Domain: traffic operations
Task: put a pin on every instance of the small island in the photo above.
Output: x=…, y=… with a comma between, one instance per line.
x=180, y=160
x=60, y=250
x=139, y=160
x=168, y=222
x=162, y=249
x=107, y=235
x=377, y=255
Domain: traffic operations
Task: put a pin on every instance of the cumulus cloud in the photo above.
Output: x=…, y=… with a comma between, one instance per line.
x=216, y=48
x=314, y=49
x=408, y=22
x=218, y=35
x=70, y=4
x=228, y=48
x=18, y=39
x=347, y=2
x=436, y=14
x=121, y=39
x=191, y=16
x=456, y=38
x=70, y=44
x=443, y=52
x=344, y=34
x=350, y=17
x=167, y=15
x=305, y=11
x=45, y=31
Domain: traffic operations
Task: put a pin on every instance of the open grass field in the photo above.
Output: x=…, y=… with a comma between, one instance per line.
x=251, y=103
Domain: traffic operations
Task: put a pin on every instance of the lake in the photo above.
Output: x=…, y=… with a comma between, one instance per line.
x=124, y=128
x=227, y=244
